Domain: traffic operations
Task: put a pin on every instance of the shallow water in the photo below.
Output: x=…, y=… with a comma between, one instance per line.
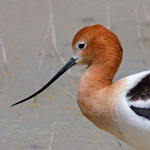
x=35, y=41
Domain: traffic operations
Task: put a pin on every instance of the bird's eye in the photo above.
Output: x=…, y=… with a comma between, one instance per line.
x=81, y=45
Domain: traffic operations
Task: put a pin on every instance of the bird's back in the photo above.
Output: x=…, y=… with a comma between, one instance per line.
x=133, y=110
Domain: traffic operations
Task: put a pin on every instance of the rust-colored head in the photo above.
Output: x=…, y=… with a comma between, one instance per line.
x=91, y=45
x=94, y=43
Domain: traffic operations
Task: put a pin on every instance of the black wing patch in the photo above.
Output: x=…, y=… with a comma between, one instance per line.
x=141, y=90
x=143, y=112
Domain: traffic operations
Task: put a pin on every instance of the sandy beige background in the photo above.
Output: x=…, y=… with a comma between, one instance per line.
x=35, y=41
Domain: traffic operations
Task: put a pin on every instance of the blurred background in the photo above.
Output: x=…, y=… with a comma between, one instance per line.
x=35, y=41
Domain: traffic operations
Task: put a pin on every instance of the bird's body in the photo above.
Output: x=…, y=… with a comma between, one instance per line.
x=109, y=109
x=121, y=108
x=133, y=110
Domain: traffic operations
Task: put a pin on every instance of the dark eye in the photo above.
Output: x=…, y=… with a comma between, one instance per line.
x=81, y=45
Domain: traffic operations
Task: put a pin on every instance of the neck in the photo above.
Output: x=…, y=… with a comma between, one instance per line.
x=98, y=76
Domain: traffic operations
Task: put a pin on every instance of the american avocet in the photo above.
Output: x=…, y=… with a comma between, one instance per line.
x=121, y=108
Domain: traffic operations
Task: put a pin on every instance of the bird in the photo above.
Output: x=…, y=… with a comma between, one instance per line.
x=122, y=107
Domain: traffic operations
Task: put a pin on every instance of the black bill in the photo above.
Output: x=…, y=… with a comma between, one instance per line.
x=68, y=65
